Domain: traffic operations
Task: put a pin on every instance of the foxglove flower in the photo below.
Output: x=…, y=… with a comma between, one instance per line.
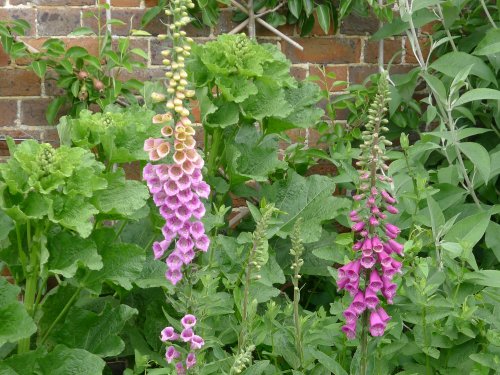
x=177, y=186
x=369, y=276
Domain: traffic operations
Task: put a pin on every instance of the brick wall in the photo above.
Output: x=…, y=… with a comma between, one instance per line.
x=23, y=97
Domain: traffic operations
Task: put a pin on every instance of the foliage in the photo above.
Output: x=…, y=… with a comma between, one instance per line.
x=265, y=292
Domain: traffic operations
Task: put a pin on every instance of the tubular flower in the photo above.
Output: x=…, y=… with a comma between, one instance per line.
x=187, y=336
x=177, y=186
x=369, y=276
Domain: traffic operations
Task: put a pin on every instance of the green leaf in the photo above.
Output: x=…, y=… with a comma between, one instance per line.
x=323, y=12
x=436, y=86
x=122, y=262
x=308, y=6
x=68, y=252
x=305, y=113
x=310, y=198
x=295, y=7
x=257, y=368
x=74, y=213
x=477, y=95
x=65, y=361
x=478, y=155
x=96, y=332
x=269, y=101
x=485, y=277
x=452, y=63
x=15, y=323
x=328, y=361
x=81, y=31
x=252, y=156
x=492, y=238
x=76, y=52
x=436, y=215
x=490, y=44
x=122, y=197
x=39, y=67
x=397, y=26
x=469, y=230
x=139, y=52
x=53, y=109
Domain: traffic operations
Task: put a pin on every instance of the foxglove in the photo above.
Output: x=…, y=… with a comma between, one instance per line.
x=369, y=276
x=177, y=186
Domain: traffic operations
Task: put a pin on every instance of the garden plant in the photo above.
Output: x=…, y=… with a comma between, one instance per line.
x=180, y=226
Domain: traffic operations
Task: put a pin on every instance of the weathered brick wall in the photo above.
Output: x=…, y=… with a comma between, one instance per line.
x=23, y=97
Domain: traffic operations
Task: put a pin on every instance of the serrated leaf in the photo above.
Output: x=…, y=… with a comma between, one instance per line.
x=269, y=101
x=310, y=198
x=122, y=263
x=122, y=197
x=96, y=332
x=252, y=156
x=15, y=323
x=68, y=252
x=65, y=361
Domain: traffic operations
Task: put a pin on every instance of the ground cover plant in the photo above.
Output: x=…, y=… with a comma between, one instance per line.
x=232, y=256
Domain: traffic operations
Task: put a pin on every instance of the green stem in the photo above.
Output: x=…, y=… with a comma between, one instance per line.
x=296, y=316
x=61, y=314
x=214, y=151
x=22, y=254
x=31, y=285
x=364, y=345
x=120, y=230
x=426, y=343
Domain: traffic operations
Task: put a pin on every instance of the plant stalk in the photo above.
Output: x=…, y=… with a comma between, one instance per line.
x=364, y=345
x=214, y=151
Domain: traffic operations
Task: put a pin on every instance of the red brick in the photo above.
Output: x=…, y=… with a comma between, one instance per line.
x=123, y=3
x=430, y=27
x=324, y=50
x=157, y=26
x=298, y=72
x=131, y=17
x=325, y=82
x=19, y=82
x=391, y=48
x=424, y=46
x=57, y=21
x=33, y=111
x=55, y=2
x=18, y=135
x=151, y=3
x=263, y=31
x=28, y=15
x=359, y=25
x=8, y=109
x=156, y=47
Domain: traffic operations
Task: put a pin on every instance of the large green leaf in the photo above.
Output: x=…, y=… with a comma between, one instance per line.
x=478, y=155
x=122, y=197
x=484, y=277
x=252, y=156
x=15, y=323
x=122, y=262
x=305, y=114
x=68, y=252
x=308, y=197
x=65, y=361
x=453, y=63
x=478, y=95
x=469, y=230
x=74, y=213
x=96, y=332
x=269, y=101
x=490, y=44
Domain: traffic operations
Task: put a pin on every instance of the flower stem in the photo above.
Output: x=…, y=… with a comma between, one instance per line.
x=214, y=151
x=364, y=345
